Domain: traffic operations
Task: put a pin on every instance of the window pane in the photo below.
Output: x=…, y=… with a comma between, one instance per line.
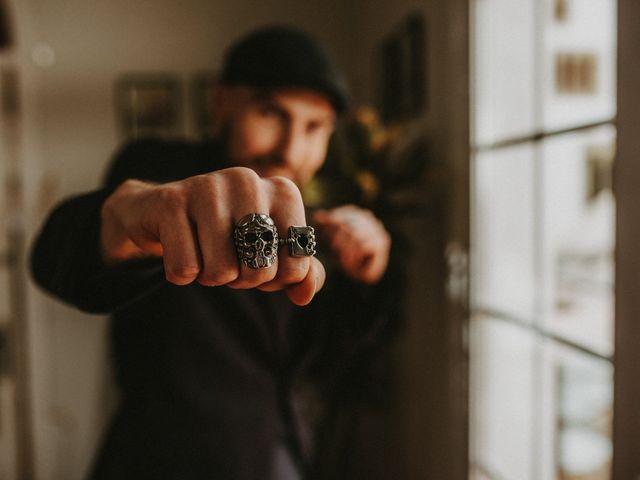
x=578, y=227
x=578, y=406
x=578, y=74
x=502, y=398
x=503, y=231
x=584, y=420
x=504, y=103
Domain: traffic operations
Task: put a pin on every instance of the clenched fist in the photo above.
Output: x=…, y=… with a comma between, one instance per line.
x=357, y=239
x=190, y=224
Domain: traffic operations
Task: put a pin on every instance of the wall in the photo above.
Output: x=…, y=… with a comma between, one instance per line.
x=21, y=150
x=427, y=421
x=96, y=41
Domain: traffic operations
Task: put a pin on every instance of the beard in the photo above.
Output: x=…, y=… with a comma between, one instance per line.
x=264, y=165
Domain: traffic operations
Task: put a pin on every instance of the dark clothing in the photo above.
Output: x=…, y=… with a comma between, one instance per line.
x=206, y=373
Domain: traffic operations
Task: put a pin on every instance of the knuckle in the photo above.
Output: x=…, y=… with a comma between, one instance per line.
x=171, y=198
x=242, y=174
x=263, y=275
x=221, y=274
x=285, y=189
x=243, y=181
x=129, y=185
x=293, y=272
x=202, y=182
x=203, y=188
x=252, y=278
x=182, y=272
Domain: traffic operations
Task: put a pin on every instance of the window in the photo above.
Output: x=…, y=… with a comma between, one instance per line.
x=543, y=222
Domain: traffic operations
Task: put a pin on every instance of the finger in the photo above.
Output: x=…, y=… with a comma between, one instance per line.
x=360, y=229
x=260, y=267
x=330, y=222
x=303, y=292
x=358, y=240
x=351, y=257
x=350, y=242
x=180, y=254
x=212, y=218
x=373, y=265
x=287, y=209
x=363, y=252
x=249, y=196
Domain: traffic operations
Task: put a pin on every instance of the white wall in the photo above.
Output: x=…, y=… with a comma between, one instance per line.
x=94, y=42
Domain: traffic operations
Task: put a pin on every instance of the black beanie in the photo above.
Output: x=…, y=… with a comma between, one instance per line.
x=280, y=56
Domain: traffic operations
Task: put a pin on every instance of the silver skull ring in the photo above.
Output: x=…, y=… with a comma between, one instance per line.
x=256, y=240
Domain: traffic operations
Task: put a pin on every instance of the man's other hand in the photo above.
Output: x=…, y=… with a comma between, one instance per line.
x=357, y=239
x=190, y=224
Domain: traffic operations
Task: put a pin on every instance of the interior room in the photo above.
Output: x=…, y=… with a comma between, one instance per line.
x=495, y=140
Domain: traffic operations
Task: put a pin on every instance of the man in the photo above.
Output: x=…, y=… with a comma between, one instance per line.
x=207, y=338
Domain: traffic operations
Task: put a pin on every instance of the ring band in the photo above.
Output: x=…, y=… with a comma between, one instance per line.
x=256, y=240
x=301, y=241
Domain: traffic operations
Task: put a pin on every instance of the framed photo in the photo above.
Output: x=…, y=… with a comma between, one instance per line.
x=561, y=10
x=9, y=93
x=202, y=87
x=402, y=66
x=575, y=73
x=10, y=133
x=148, y=105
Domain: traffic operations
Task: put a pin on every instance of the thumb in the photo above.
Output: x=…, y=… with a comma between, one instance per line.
x=302, y=293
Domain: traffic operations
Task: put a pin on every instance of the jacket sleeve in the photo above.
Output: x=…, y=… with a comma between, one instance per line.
x=66, y=259
x=347, y=324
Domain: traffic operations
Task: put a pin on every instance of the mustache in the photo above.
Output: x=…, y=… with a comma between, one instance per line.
x=260, y=163
x=267, y=161
x=269, y=166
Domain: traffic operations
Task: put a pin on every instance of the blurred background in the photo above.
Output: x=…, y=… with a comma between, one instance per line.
x=485, y=132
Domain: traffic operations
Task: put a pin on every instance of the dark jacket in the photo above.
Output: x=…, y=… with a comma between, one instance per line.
x=205, y=373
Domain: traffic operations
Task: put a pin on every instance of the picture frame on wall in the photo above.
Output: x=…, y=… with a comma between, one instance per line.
x=561, y=10
x=402, y=63
x=9, y=94
x=202, y=88
x=148, y=105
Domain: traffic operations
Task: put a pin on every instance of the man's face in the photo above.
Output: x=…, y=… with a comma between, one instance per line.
x=283, y=132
